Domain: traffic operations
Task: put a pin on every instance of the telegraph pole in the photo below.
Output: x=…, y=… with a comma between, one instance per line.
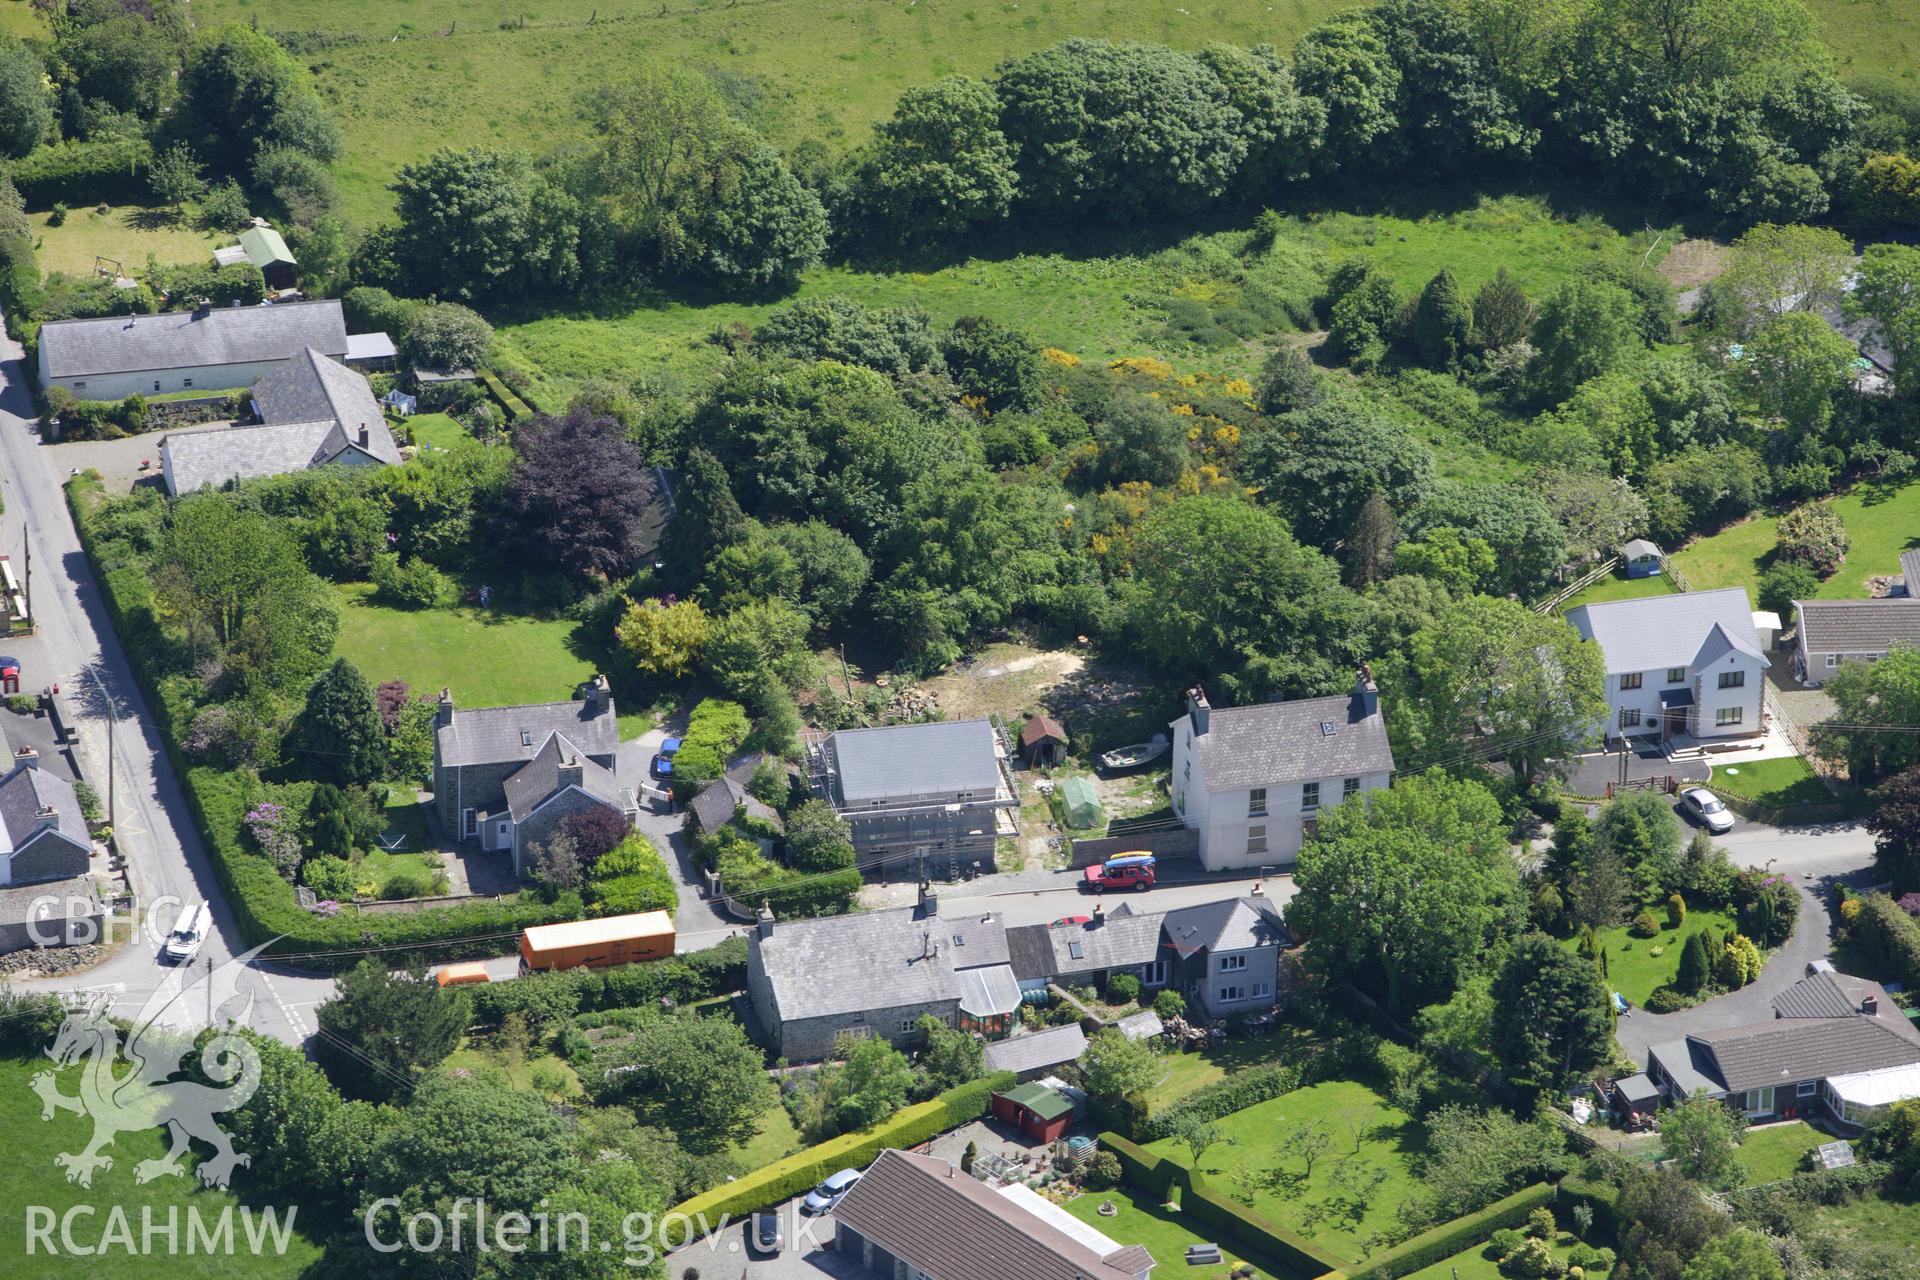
x=112, y=719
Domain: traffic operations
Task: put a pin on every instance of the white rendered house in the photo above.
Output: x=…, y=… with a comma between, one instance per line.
x=1688, y=664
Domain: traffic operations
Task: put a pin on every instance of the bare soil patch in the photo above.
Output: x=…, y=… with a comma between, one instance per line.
x=1692, y=263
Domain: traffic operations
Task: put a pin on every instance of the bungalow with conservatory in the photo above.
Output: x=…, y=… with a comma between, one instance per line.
x=1251, y=780
x=1837, y=1047
x=1679, y=665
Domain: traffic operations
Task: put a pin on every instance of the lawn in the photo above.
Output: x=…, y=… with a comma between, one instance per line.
x=1632, y=967
x=1773, y=783
x=30, y=1178
x=1474, y=1264
x=1616, y=587
x=437, y=430
x=1773, y=1154
x=1886, y=1221
x=1881, y=523
x=1096, y=302
x=1356, y=1185
x=520, y=1068
x=488, y=658
x=125, y=233
x=1165, y=1233
x=1182, y=1073
x=772, y=1138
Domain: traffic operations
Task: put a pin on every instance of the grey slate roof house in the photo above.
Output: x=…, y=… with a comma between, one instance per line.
x=1226, y=955
x=922, y=1213
x=1832, y=1042
x=1250, y=780
x=507, y=777
x=313, y=412
x=715, y=805
x=939, y=789
x=876, y=973
x=208, y=349
x=1117, y=941
x=1832, y=633
x=1689, y=664
x=1037, y=1053
x=43, y=834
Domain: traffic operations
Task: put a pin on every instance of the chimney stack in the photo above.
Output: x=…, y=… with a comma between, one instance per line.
x=929, y=900
x=599, y=695
x=571, y=772
x=1366, y=694
x=27, y=756
x=1870, y=1005
x=763, y=920
x=1197, y=709
x=46, y=816
x=1099, y=915
x=366, y=437
x=445, y=715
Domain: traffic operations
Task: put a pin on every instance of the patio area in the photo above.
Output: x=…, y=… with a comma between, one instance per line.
x=1593, y=771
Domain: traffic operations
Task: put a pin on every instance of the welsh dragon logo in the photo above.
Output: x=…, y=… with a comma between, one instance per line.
x=146, y=1095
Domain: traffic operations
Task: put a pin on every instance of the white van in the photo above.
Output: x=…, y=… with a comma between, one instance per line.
x=189, y=931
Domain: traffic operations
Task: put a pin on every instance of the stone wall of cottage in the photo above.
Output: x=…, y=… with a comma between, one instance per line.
x=49, y=857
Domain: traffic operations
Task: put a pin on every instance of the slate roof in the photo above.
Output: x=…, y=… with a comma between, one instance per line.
x=873, y=960
x=1119, y=940
x=914, y=759
x=247, y=451
x=715, y=804
x=1827, y=995
x=1792, y=1049
x=1637, y=1088
x=309, y=387
x=1721, y=641
x=1038, y=1051
x=192, y=339
x=529, y=787
x=1910, y=570
x=1029, y=952
x=264, y=247
x=952, y=1225
x=24, y=792
x=49, y=900
x=492, y=735
x=1664, y=631
x=1639, y=549
x=1279, y=742
x=370, y=346
x=1231, y=924
x=1858, y=626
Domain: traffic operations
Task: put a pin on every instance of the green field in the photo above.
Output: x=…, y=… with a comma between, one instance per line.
x=1165, y=1233
x=1881, y=523
x=30, y=1178
x=1886, y=1221
x=1788, y=780
x=436, y=429
x=1773, y=1153
x=1097, y=308
x=126, y=233
x=1337, y=1207
x=1632, y=968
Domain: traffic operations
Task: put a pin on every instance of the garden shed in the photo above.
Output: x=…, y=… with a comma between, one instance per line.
x=1035, y=1110
x=1641, y=559
x=1636, y=1095
x=1080, y=804
x=1044, y=741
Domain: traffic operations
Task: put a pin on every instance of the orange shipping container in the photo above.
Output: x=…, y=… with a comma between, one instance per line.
x=455, y=975
x=610, y=940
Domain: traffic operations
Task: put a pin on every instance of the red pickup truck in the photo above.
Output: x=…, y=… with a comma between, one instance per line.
x=1128, y=871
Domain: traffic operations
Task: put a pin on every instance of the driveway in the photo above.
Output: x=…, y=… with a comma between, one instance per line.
x=805, y=1252
x=1593, y=771
x=660, y=821
x=1817, y=858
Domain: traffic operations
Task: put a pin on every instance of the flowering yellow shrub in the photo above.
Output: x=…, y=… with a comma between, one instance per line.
x=1054, y=355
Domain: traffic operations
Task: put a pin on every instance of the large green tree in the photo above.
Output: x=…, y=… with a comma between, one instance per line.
x=382, y=1030
x=26, y=112
x=338, y=736
x=1345, y=64
x=1402, y=895
x=1442, y=323
x=1115, y=1066
x=1895, y=823
x=941, y=164
x=1319, y=466
x=1584, y=328
x=1779, y=270
x=1550, y=1023
x=1888, y=290
x=241, y=93
x=483, y=223
x=1492, y=678
x=700, y=1077
x=1868, y=696
x=1742, y=1254
x=1799, y=363
x=1702, y=1137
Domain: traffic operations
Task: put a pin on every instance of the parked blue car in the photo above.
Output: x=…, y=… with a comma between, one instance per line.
x=663, y=761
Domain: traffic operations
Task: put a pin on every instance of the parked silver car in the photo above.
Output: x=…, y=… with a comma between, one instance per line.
x=1705, y=808
x=824, y=1197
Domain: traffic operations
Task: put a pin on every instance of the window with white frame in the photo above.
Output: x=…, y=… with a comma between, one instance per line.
x=1806, y=1089
x=1231, y=995
x=1833, y=659
x=1257, y=803
x=1257, y=838
x=1629, y=717
x=1262, y=990
x=1733, y=679
x=1310, y=796
x=1729, y=715
x=468, y=825
x=1630, y=680
x=1232, y=964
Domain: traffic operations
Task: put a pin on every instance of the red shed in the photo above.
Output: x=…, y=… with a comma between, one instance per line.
x=1035, y=1110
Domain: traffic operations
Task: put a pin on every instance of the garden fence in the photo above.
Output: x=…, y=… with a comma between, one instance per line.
x=1552, y=603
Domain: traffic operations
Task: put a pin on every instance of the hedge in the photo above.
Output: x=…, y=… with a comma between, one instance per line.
x=1253, y=1231
x=262, y=901
x=1602, y=1197
x=1889, y=936
x=515, y=407
x=1237, y=1092
x=83, y=172
x=1450, y=1238
x=552, y=996
x=802, y=1170
x=1151, y=1173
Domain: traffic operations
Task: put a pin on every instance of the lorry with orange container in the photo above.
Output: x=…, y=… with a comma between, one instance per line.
x=610, y=940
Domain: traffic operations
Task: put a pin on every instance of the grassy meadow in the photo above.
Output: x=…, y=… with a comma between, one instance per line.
x=1881, y=522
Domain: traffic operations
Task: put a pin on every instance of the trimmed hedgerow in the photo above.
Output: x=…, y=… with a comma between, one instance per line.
x=1450, y=1238
x=804, y=1169
x=1237, y=1092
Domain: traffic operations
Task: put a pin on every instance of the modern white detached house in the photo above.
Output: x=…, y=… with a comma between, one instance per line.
x=1679, y=665
x=1252, y=780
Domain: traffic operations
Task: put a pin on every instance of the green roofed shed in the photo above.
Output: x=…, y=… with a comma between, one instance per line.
x=1081, y=803
x=266, y=250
